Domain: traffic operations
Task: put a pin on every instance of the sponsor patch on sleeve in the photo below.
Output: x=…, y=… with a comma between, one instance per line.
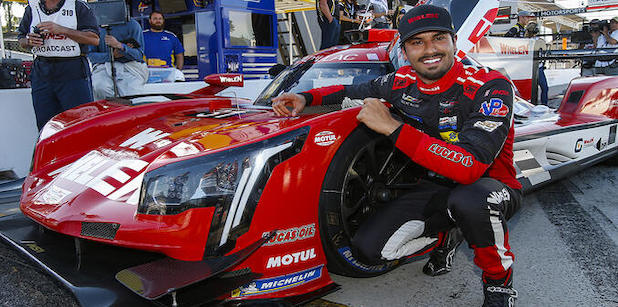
x=450, y=136
x=494, y=107
x=487, y=125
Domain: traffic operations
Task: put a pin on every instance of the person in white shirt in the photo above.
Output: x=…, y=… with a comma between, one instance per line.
x=608, y=39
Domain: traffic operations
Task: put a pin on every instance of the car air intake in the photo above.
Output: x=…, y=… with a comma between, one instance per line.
x=99, y=230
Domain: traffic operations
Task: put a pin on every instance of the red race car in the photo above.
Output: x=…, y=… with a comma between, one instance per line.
x=201, y=198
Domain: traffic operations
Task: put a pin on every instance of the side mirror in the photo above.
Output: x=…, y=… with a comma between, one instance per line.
x=225, y=80
x=276, y=69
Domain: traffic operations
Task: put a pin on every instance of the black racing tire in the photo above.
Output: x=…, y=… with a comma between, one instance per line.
x=360, y=179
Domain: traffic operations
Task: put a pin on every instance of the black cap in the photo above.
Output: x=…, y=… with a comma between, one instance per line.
x=425, y=18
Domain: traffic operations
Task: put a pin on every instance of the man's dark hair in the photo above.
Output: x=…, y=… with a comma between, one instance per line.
x=156, y=12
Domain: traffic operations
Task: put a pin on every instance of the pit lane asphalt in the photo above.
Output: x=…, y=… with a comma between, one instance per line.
x=564, y=237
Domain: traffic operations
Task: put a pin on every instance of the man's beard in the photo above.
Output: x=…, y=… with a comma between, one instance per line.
x=434, y=75
x=157, y=27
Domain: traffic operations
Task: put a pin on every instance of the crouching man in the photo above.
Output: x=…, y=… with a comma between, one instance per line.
x=457, y=123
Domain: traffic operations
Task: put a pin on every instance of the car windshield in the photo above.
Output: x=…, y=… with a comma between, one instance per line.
x=305, y=76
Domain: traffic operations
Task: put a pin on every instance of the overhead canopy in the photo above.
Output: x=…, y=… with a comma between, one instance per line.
x=567, y=22
x=286, y=6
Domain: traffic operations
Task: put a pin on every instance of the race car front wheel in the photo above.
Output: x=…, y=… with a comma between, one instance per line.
x=365, y=174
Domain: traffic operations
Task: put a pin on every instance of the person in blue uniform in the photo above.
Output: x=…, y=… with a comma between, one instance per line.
x=161, y=44
x=58, y=32
x=127, y=43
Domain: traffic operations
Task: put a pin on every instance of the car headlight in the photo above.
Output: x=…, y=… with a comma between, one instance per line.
x=230, y=180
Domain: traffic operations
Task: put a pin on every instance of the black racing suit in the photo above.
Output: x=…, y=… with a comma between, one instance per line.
x=460, y=127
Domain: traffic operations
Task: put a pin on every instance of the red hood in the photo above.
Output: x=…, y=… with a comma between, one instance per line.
x=142, y=138
x=150, y=130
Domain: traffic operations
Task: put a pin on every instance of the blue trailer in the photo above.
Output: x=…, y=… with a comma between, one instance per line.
x=219, y=36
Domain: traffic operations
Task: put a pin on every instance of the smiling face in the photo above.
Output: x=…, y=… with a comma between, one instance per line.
x=431, y=54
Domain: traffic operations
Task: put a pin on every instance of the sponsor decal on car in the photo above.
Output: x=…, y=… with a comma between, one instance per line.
x=145, y=137
x=184, y=149
x=579, y=144
x=601, y=145
x=278, y=283
x=223, y=113
x=451, y=155
x=104, y=175
x=325, y=138
x=494, y=107
x=487, y=125
x=347, y=255
x=291, y=235
x=161, y=143
x=53, y=195
x=287, y=259
x=448, y=122
x=513, y=50
x=234, y=79
x=450, y=136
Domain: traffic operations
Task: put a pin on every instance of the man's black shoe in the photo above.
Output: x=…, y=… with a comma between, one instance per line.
x=441, y=258
x=499, y=293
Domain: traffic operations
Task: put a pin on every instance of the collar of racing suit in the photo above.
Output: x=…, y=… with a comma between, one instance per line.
x=443, y=83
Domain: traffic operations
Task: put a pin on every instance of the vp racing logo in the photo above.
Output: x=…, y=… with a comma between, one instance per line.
x=494, y=107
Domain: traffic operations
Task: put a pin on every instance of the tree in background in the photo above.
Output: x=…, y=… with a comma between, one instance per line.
x=10, y=18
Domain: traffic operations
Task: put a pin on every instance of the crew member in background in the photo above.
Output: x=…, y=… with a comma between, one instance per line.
x=58, y=31
x=380, y=14
x=595, y=32
x=348, y=18
x=161, y=45
x=519, y=29
x=527, y=27
x=608, y=39
x=127, y=43
x=456, y=121
x=329, y=25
